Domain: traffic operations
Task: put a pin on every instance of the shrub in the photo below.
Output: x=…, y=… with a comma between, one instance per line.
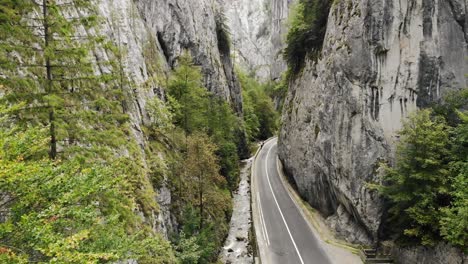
x=307, y=27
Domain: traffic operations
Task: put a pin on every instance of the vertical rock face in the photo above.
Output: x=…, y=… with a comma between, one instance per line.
x=191, y=25
x=381, y=60
x=441, y=254
x=152, y=34
x=258, y=30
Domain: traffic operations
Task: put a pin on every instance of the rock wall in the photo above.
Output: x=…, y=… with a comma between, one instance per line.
x=152, y=34
x=441, y=254
x=381, y=60
x=191, y=25
x=125, y=27
x=258, y=28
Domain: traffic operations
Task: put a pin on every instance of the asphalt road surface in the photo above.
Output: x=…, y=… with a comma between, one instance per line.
x=283, y=235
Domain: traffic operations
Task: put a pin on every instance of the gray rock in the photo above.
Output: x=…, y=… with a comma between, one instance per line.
x=441, y=254
x=381, y=61
x=162, y=30
x=258, y=28
x=191, y=25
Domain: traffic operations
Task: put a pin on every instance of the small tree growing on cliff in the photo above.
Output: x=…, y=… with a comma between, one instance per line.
x=186, y=87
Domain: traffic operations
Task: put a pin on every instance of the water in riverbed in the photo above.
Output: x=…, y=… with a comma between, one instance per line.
x=236, y=246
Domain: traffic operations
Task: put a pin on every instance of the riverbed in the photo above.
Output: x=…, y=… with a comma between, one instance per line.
x=236, y=246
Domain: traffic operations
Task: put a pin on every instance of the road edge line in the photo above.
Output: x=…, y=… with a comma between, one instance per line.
x=279, y=208
x=253, y=203
x=308, y=213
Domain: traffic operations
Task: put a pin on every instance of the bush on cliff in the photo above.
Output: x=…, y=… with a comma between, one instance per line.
x=307, y=27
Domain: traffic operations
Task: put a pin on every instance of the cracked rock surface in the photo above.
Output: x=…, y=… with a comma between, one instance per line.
x=258, y=29
x=381, y=60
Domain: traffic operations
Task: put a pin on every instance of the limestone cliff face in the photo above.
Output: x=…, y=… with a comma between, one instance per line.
x=258, y=30
x=191, y=25
x=381, y=60
x=152, y=34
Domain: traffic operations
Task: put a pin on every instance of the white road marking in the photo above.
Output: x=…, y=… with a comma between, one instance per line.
x=281, y=212
x=262, y=222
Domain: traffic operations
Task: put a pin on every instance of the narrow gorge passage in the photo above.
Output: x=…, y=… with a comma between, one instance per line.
x=127, y=127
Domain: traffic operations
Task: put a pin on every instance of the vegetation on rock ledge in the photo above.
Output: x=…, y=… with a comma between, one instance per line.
x=307, y=27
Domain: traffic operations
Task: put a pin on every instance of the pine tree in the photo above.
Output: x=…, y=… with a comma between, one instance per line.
x=70, y=198
x=185, y=86
x=260, y=115
x=47, y=66
x=65, y=212
x=203, y=169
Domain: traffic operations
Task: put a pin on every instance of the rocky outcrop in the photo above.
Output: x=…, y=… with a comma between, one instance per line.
x=441, y=254
x=151, y=35
x=381, y=60
x=258, y=30
x=180, y=25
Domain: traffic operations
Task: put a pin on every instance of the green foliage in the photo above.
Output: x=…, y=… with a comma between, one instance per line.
x=204, y=203
x=208, y=167
x=260, y=116
x=47, y=66
x=454, y=222
x=188, y=251
x=66, y=211
x=278, y=91
x=78, y=205
x=427, y=186
x=307, y=28
x=195, y=109
x=191, y=98
x=419, y=182
x=160, y=115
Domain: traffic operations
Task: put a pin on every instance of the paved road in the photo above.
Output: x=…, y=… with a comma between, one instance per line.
x=283, y=235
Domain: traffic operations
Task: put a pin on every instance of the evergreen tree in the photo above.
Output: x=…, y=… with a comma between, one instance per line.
x=69, y=197
x=307, y=28
x=202, y=166
x=260, y=116
x=185, y=86
x=208, y=193
x=47, y=65
x=196, y=109
x=454, y=221
x=419, y=183
x=65, y=212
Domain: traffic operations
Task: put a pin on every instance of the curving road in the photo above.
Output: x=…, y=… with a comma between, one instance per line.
x=283, y=235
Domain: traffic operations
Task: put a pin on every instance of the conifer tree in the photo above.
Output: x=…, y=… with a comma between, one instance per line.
x=419, y=183
x=65, y=205
x=186, y=87
x=202, y=165
x=47, y=65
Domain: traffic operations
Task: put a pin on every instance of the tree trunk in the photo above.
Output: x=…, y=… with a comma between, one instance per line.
x=201, y=200
x=52, y=132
